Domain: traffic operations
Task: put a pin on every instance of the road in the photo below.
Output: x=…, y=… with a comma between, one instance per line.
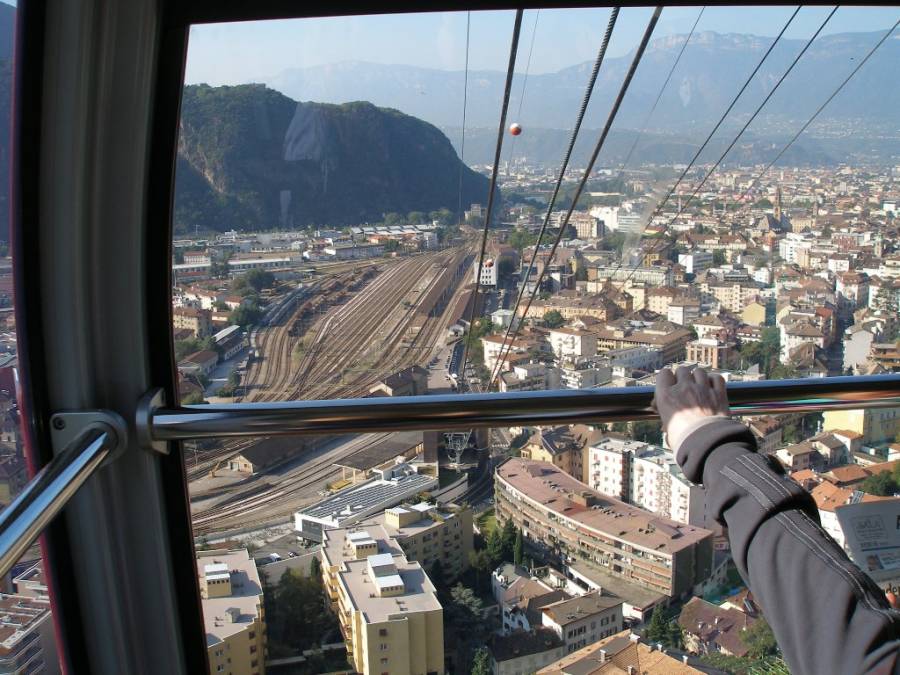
x=219, y=376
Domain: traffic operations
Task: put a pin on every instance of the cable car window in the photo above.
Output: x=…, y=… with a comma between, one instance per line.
x=436, y=203
x=27, y=598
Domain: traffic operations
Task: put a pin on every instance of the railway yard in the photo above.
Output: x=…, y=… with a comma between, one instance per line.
x=355, y=328
x=334, y=337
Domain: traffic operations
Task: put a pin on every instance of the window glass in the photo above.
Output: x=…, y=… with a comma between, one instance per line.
x=331, y=195
x=26, y=605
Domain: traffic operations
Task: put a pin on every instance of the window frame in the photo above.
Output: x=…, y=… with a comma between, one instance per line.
x=31, y=204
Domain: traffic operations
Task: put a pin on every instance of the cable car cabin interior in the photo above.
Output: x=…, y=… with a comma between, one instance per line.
x=487, y=339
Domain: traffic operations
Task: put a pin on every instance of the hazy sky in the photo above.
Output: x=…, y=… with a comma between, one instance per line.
x=256, y=51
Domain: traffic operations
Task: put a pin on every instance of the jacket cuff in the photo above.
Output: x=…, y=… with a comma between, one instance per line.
x=705, y=451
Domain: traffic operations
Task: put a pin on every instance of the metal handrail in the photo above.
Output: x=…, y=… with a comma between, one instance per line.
x=532, y=408
x=50, y=490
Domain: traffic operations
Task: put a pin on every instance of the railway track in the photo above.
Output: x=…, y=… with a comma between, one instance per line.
x=370, y=333
x=269, y=500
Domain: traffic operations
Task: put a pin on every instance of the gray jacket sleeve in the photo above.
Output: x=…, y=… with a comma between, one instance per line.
x=827, y=615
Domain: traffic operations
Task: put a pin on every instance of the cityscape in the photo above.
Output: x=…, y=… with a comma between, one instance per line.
x=341, y=231
x=559, y=542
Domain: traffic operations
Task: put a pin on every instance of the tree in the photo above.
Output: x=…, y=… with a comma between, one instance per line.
x=222, y=306
x=393, y=219
x=648, y=432
x=315, y=568
x=481, y=664
x=886, y=299
x=554, y=319
x=481, y=562
x=464, y=618
x=718, y=257
x=415, y=218
x=256, y=279
x=505, y=267
x=508, y=538
x=881, y=484
x=444, y=217
x=520, y=239
x=234, y=378
x=246, y=315
x=658, y=629
x=186, y=347
x=495, y=547
x=438, y=577
x=295, y=619
x=614, y=241
x=518, y=548
x=391, y=246
x=760, y=640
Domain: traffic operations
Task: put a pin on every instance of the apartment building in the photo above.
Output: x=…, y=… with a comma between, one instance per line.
x=595, y=306
x=644, y=475
x=655, y=276
x=619, y=653
x=390, y=617
x=710, y=352
x=488, y=272
x=668, y=338
x=526, y=377
x=27, y=640
x=584, y=619
x=198, y=321
x=558, y=446
x=233, y=611
x=525, y=651
x=493, y=345
x=696, y=262
x=572, y=342
x=430, y=533
x=32, y=583
x=875, y=426
x=569, y=522
x=683, y=310
x=732, y=296
x=387, y=487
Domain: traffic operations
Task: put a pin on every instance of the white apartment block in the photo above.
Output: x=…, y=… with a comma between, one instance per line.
x=696, y=262
x=572, y=343
x=488, y=273
x=645, y=475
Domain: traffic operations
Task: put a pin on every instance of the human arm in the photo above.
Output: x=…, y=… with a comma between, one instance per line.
x=826, y=614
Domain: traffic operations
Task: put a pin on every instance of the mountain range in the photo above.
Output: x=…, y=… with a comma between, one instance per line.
x=709, y=74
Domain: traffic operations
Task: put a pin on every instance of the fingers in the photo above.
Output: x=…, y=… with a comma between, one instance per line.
x=664, y=378
x=717, y=383
x=700, y=377
x=683, y=375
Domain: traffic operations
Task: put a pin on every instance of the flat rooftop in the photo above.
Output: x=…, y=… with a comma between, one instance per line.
x=632, y=594
x=375, y=493
x=418, y=595
x=580, y=607
x=336, y=547
x=557, y=491
x=18, y=615
x=381, y=452
x=229, y=615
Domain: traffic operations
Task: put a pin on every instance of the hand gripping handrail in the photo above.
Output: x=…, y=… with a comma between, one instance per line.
x=157, y=423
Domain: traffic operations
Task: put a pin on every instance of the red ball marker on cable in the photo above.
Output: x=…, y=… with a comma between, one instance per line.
x=515, y=129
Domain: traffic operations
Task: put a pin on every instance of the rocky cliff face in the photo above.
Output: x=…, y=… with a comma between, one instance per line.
x=249, y=157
